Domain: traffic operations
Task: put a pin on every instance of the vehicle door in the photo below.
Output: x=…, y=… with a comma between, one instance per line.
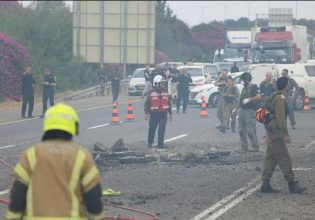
x=310, y=82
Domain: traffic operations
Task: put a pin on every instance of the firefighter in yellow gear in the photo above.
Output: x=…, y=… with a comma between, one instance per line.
x=56, y=179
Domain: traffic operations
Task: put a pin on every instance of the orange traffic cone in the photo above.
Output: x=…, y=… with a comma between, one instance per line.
x=307, y=106
x=115, y=118
x=203, y=111
x=130, y=115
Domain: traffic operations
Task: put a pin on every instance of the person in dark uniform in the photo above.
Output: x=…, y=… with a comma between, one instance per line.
x=234, y=68
x=293, y=90
x=267, y=88
x=182, y=89
x=157, y=107
x=277, y=137
x=28, y=85
x=48, y=92
x=115, y=80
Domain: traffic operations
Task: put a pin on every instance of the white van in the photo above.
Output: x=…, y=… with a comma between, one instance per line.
x=302, y=73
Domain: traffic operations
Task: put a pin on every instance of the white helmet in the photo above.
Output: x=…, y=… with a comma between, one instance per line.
x=158, y=79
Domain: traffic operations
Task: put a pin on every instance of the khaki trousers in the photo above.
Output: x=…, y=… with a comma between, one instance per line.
x=277, y=154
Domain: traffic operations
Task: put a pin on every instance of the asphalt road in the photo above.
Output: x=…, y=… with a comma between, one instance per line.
x=177, y=190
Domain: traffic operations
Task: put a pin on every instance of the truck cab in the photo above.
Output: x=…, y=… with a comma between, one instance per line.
x=280, y=45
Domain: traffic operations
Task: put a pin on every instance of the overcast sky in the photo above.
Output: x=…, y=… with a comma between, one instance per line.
x=195, y=12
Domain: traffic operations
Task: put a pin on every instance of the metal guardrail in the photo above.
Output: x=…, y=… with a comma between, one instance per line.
x=95, y=91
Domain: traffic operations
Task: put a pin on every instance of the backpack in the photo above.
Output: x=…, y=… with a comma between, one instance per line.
x=263, y=114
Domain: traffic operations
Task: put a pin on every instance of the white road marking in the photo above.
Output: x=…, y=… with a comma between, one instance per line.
x=175, y=138
x=218, y=204
x=79, y=110
x=4, y=192
x=220, y=212
x=310, y=144
x=9, y=146
x=302, y=169
x=98, y=126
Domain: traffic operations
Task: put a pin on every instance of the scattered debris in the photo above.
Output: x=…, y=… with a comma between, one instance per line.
x=120, y=154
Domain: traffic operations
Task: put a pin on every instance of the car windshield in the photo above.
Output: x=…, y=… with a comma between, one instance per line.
x=194, y=71
x=213, y=70
x=138, y=74
x=310, y=70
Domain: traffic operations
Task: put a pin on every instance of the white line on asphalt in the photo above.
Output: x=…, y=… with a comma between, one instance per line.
x=7, y=147
x=4, y=192
x=79, y=110
x=302, y=169
x=310, y=144
x=221, y=211
x=241, y=190
x=175, y=138
x=98, y=126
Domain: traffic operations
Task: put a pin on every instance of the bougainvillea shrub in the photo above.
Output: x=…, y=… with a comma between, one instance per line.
x=13, y=59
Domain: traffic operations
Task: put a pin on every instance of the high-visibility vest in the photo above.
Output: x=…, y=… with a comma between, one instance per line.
x=159, y=102
x=56, y=173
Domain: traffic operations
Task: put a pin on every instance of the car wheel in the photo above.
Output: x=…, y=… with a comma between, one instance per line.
x=299, y=102
x=213, y=100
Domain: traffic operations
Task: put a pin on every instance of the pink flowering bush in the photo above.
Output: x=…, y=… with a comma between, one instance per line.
x=13, y=59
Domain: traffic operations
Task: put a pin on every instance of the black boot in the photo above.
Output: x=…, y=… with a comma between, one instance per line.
x=267, y=188
x=295, y=188
x=222, y=129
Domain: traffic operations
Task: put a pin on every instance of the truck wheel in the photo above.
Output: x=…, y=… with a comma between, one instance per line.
x=299, y=101
x=213, y=100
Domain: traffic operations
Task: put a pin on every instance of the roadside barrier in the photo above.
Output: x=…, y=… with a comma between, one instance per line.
x=203, y=111
x=130, y=116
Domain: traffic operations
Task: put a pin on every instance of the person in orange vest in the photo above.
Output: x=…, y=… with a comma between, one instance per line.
x=157, y=107
x=56, y=178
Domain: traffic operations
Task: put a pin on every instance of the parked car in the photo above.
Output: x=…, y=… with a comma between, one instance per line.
x=211, y=92
x=137, y=82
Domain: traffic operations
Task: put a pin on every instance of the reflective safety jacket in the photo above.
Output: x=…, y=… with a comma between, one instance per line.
x=57, y=174
x=159, y=101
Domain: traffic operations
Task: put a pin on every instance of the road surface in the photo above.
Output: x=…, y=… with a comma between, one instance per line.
x=222, y=189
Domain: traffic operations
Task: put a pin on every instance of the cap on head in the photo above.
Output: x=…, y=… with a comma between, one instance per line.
x=61, y=117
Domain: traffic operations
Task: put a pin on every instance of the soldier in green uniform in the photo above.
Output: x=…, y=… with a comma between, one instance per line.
x=267, y=88
x=248, y=105
x=293, y=90
x=221, y=83
x=277, y=137
x=230, y=97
